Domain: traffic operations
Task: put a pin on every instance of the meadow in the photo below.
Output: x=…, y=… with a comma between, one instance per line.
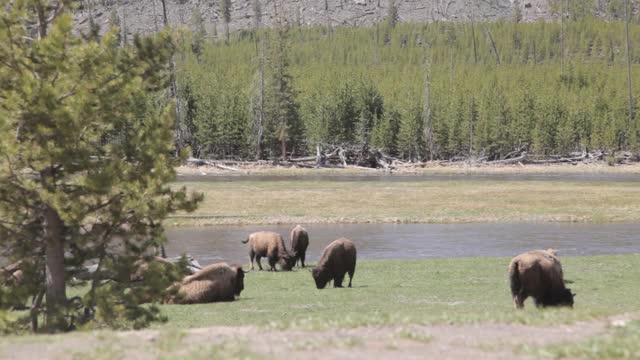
x=395, y=309
x=248, y=201
x=393, y=292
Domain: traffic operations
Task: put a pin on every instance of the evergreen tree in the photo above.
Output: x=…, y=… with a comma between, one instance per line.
x=114, y=22
x=257, y=14
x=199, y=32
x=392, y=14
x=84, y=168
x=225, y=13
x=281, y=113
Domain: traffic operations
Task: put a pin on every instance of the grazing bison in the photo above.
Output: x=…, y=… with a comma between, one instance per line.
x=299, y=243
x=337, y=258
x=538, y=274
x=270, y=245
x=216, y=282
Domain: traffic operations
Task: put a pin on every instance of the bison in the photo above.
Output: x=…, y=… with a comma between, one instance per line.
x=538, y=274
x=337, y=258
x=12, y=274
x=216, y=282
x=299, y=243
x=270, y=245
x=142, y=266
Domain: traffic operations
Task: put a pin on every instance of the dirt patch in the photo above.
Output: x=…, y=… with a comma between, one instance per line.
x=480, y=341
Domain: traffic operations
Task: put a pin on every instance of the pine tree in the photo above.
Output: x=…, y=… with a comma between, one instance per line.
x=84, y=165
x=199, y=32
x=281, y=113
x=257, y=14
x=392, y=14
x=225, y=13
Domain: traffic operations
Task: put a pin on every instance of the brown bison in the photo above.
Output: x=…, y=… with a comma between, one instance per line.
x=12, y=274
x=270, y=245
x=299, y=243
x=337, y=258
x=538, y=274
x=216, y=282
x=142, y=266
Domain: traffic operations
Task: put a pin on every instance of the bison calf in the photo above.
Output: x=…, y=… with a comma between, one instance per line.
x=216, y=282
x=299, y=243
x=337, y=258
x=269, y=244
x=538, y=274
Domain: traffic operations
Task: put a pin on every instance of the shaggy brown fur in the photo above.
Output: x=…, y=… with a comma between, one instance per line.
x=216, y=282
x=270, y=245
x=538, y=274
x=142, y=266
x=12, y=274
x=337, y=258
x=299, y=243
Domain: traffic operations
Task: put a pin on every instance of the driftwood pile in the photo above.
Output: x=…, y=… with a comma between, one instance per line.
x=355, y=157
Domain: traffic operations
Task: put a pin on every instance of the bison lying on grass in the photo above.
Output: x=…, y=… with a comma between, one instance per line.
x=216, y=282
x=299, y=243
x=538, y=274
x=269, y=244
x=337, y=258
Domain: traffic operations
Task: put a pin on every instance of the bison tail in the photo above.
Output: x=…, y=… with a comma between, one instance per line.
x=245, y=241
x=514, y=278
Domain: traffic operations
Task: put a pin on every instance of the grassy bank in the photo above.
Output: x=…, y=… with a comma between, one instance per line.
x=622, y=342
x=267, y=202
x=389, y=292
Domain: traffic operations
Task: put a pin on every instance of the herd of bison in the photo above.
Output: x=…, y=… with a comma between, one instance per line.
x=536, y=274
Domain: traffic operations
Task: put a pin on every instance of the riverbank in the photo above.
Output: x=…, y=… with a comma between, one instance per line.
x=407, y=308
x=433, y=167
x=248, y=200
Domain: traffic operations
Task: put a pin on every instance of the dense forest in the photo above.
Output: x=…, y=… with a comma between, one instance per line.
x=414, y=91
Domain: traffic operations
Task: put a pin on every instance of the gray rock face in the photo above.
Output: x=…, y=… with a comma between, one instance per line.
x=145, y=16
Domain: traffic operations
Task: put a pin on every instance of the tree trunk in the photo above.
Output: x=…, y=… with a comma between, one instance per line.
x=284, y=149
x=426, y=113
x=56, y=296
x=473, y=35
x=562, y=12
x=626, y=16
x=261, y=111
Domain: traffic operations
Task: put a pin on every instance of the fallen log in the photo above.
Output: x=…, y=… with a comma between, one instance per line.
x=559, y=160
x=219, y=166
x=522, y=157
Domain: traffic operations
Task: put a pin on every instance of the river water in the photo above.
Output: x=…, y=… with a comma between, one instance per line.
x=416, y=241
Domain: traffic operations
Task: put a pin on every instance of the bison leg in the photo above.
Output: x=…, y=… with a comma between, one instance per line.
x=518, y=301
x=302, y=259
x=272, y=263
x=258, y=261
x=252, y=255
x=337, y=281
x=350, y=277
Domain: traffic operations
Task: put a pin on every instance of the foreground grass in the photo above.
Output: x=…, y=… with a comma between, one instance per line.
x=619, y=343
x=268, y=202
x=391, y=292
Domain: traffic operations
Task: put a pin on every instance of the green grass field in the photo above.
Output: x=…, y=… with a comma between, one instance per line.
x=389, y=292
x=618, y=343
x=268, y=202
